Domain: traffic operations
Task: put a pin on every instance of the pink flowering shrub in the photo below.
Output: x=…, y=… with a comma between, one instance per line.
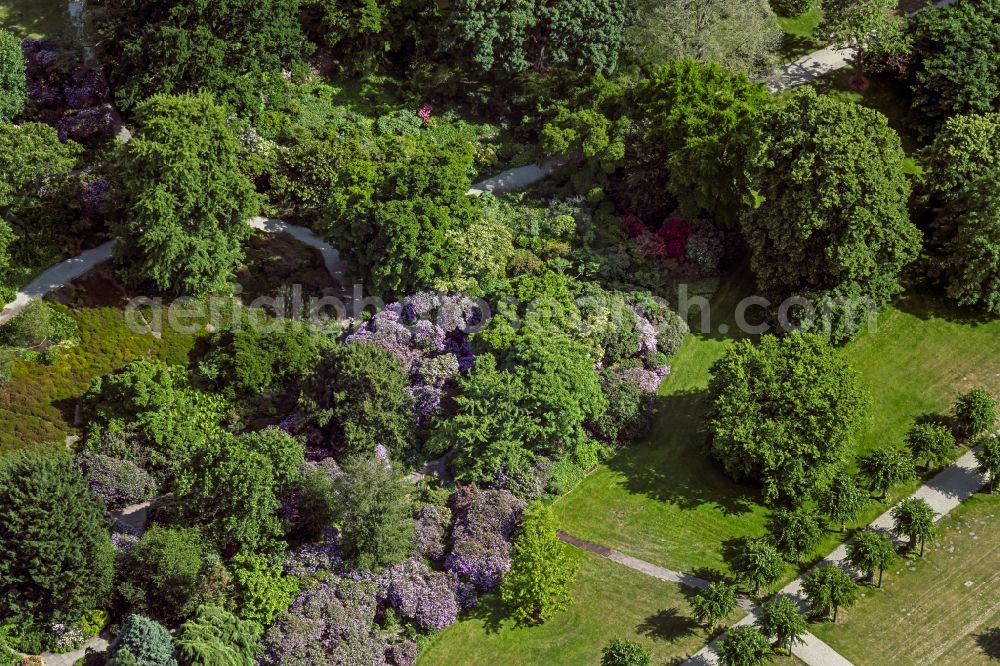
x=425, y=113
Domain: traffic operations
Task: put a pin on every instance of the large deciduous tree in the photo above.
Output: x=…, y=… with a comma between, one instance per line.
x=930, y=442
x=741, y=35
x=783, y=412
x=988, y=460
x=233, y=49
x=830, y=219
x=537, y=585
x=358, y=394
x=56, y=556
x=974, y=413
x=514, y=37
x=185, y=200
x=13, y=86
x=757, y=564
x=956, y=55
x=701, y=119
x=713, y=604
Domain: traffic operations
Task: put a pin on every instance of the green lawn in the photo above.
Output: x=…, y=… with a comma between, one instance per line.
x=663, y=500
x=944, y=609
x=609, y=601
x=33, y=18
x=801, y=33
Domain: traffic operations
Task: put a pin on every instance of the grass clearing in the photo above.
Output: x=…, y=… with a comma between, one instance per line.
x=664, y=501
x=609, y=601
x=34, y=18
x=801, y=31
x=943, y=609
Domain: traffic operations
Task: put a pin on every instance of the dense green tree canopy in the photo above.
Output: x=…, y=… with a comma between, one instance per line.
x=740, y=35
x=702, y=118
x=56, y=557
x=744, y=646
x=13, y=86
x=35, y=191
x=914, y=518
x=828, y=588
x=359, y=395
x=975, y=414
x=780, y=617
x=757, y=564
x=510, y=38
x=620, y=652
x=185, y=201
x=233, y=49
x=783, y=412
x=375, y=513
x=870, y=551
x=884, y=468
x=831, y=201
x=957, y=60
x=541, y=573
x=988, y=460
x=842, y=500
x=930, y=442
x=796, y=532
x=714, y=603
x=169, y=573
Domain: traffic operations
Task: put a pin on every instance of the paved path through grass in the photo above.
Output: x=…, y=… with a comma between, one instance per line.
x=812, y=651
x=949, y=488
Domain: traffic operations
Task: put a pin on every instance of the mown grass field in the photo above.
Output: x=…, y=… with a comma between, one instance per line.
x=33, y=18
x=664, y=501
x=609, y=601
x=943, y=609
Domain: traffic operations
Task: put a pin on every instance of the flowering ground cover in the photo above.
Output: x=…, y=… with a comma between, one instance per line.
x=609, y=601
x=664, y=501
x=943, y=609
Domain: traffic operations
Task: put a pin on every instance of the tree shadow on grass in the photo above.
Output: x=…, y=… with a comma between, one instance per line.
x=667, y=625
x=989, y=643
x=672, y=464
x=926, y=305
x=491, y=611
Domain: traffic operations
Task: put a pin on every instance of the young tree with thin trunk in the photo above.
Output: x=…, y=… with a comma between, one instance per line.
x=744, y=646
x=796, y=532
x=780, y=617
x=712, y=604
x=931, y=443
x=884, y=468
x=988, y=460
x=870, y=551
x=828, y=589
x=975, y=414
x=758, y=565
x=914, y=518
x=843, y=500
x=861, y=24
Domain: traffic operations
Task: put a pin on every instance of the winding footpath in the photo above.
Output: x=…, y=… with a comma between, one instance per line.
x=944, y=492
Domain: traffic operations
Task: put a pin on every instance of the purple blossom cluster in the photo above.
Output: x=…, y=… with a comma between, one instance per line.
x=74, y=99
x=117, y=482
x=485, y=521
x=95, y=193
x=401, y=654
x=430, y=525
x=430, y=599
x=647, y=380
x=87, y=125
x=647, y=333
x=429, y=333
x=314, y=559
x=330, y=623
